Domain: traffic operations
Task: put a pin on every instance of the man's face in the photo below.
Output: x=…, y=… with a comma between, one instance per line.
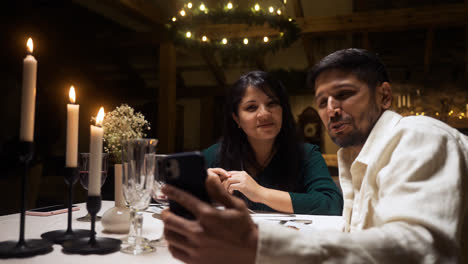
x=347, y=107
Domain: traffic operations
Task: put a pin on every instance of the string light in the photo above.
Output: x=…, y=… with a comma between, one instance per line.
x=189, y=5
x=204, y=39
x=271, y=9
x=182, y=12
x=202, y=7
x=285, y=1
x=278, y=12
x=224, y=41
x=265, y=39
x=257, y=7
x=246, y=41
x=174, y=19
x=188, y=34
x=290, y=19
x=229, y=5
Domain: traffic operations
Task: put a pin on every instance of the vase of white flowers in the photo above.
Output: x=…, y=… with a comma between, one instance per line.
x=120, y=124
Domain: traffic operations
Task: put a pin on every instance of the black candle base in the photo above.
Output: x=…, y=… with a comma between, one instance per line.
x=60, y=236
x=30, y=247
x=84, y=246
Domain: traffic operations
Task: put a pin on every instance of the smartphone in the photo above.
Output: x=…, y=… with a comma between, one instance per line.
x=51, y=210
x=187, y=171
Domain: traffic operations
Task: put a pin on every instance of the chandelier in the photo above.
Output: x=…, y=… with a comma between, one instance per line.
x=237, y=32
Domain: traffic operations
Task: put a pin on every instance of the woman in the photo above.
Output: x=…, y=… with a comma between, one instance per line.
x=260, y=157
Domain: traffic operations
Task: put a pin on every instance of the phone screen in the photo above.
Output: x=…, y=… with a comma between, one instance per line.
x=186, y=171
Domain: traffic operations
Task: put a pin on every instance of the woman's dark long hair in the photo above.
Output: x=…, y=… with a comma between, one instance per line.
x=236, y=152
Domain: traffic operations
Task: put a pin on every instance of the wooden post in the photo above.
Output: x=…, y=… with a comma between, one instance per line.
x=167, y=98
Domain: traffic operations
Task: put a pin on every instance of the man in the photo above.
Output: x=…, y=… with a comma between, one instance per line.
x=403, y=181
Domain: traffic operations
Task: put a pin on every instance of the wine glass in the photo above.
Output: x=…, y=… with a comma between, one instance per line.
x=137, y=185
x=84, y=178
x=158, y=196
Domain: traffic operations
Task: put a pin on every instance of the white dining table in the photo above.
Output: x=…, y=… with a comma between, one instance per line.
x=152, y=229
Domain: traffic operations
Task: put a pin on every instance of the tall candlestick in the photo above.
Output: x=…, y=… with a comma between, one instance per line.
x=28, y=95
x=73, y=111
x=95, y=156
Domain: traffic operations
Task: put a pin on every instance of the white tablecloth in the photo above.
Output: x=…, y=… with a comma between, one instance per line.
x=152, y=229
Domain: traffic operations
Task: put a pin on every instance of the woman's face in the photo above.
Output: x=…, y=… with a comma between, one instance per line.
x=259, y=115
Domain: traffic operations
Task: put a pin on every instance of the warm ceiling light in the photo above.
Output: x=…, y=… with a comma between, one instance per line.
x=257, y=7
x=202, y=7
x=265, y=39
x=224, y=41
x=278, y=12
x=182, y=12
x=229, y=5
x=174, y=19
x=285, y=1
x=271, y=9
x=204, y=39
x=246, y=41
x=189, y=5
x=188, y=34
x=289, y=19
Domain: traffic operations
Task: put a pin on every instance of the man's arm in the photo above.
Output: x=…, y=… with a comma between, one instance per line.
x=216, y=236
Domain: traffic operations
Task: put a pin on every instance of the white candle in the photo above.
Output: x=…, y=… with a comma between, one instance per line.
x=399, y=101
x=408, y=101
x=403, y=100
x=95, y=156
x=73, y=111
x=28, y=95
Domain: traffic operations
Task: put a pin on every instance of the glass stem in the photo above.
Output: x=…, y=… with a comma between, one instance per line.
x=136, y=226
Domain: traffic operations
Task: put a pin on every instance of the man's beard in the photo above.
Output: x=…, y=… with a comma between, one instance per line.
x=355, y=137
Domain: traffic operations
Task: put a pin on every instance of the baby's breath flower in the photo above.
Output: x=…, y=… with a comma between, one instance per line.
x=119, y=124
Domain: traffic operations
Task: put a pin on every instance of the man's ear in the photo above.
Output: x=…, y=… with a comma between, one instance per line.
x=384, y=95
x=236, y=119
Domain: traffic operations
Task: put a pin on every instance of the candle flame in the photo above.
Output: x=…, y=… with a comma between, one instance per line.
x=72, y=95
x=30, y=45
x=100, y=117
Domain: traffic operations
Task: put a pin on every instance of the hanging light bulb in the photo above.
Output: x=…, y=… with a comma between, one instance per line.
x=188, y=34
x=265, y=39
x=257, y=7
x=278, y=12
x=189, y=5
x=246, y=41
x=224, y=41
x=204, y=39
x=285, y=1
x=271, y=9
x=174, y=19
x=229, y=5
x=202, y=7
x=182, y=12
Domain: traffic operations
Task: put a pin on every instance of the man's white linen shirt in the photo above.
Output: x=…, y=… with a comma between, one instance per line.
x=402, y=200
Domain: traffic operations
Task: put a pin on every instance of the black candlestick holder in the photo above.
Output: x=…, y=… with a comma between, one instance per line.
x=60, y=236
x=92, y=245
x=24, y=247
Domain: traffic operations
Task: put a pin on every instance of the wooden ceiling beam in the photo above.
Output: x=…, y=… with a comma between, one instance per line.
x=215, y=69
x=382, y=20
x=397, y=19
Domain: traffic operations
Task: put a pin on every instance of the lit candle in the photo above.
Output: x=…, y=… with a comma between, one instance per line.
x=399, y=101
x=408, y=101
x=95, y=156
x=73, y=111
x=28, y=95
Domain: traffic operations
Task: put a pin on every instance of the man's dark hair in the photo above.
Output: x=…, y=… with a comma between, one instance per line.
x=363, y=64
x=236, y=152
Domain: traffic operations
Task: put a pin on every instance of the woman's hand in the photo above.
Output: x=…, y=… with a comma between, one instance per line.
x=220, y=174
x=241, y=181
